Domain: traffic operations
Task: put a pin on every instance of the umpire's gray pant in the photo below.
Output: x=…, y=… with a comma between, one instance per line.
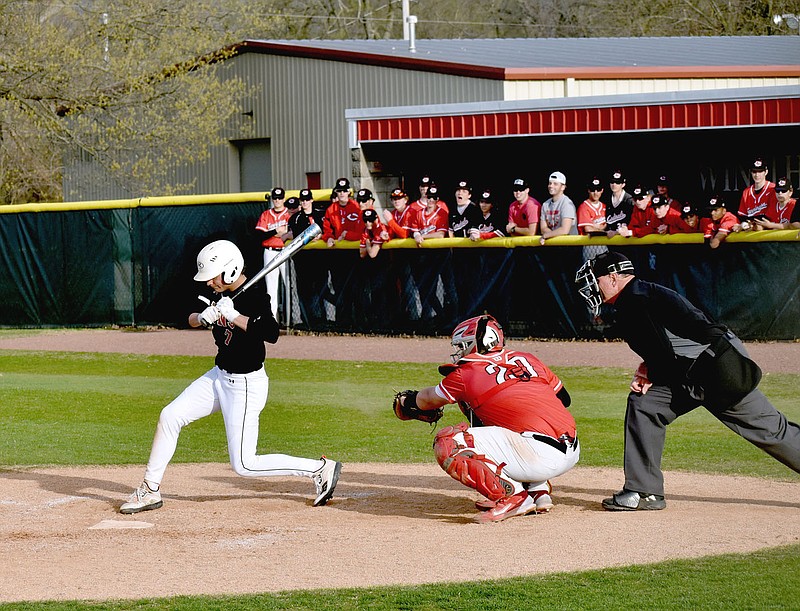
x=648, y=415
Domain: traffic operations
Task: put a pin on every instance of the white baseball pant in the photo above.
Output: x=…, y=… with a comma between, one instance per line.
x=240, y=398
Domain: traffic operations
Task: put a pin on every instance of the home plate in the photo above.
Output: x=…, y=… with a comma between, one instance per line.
x=120, y=524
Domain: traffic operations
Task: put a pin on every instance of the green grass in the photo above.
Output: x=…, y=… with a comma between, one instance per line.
x=81, y=409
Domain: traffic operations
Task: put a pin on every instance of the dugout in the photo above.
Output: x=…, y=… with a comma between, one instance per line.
x=131, y=263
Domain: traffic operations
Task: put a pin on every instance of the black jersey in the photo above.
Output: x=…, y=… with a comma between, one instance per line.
x=494, y=223
x=300, y=221
x=462, y=222
x=619, y=215
x=240, y=351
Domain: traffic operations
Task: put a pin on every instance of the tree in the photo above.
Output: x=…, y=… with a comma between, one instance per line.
x=127, y=84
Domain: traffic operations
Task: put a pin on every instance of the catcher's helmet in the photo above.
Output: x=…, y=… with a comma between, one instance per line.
x=220, y=257
x=478, y=334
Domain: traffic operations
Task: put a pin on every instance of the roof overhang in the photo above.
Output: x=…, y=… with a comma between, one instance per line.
x=723, y=108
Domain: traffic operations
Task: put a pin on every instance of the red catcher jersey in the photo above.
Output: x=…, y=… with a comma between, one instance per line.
x=527, y=404
x=270, y=220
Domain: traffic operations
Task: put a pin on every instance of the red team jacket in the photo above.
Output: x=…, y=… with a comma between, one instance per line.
x=643, y=222
x=675, y=223
x=269, y=221
x=340, y=218
x=506, y=388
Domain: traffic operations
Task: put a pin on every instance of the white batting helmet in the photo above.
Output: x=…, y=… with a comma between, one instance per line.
x=220, y=257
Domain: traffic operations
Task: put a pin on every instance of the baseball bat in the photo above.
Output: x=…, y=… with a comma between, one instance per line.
x=286, y=253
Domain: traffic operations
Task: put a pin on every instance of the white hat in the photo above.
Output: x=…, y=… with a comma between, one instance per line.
x=558, y=177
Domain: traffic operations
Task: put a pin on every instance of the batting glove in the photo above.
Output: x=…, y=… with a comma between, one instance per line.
x=209, y=316
x=227, y=310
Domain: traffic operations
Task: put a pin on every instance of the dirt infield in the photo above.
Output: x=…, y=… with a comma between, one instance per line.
x=62, y=538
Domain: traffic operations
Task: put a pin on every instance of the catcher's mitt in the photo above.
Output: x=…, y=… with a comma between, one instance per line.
x=405, y=407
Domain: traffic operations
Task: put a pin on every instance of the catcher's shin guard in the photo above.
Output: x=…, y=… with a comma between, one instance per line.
x=463, y=464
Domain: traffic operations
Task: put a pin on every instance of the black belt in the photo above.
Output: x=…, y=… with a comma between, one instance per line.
x=559, y=444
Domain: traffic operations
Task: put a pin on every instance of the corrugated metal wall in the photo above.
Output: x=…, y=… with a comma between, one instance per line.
x=302, y=104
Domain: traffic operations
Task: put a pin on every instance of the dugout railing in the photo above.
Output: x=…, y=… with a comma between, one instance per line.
x=131, y=262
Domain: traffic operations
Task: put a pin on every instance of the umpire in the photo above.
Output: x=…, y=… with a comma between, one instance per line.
x=688, y=361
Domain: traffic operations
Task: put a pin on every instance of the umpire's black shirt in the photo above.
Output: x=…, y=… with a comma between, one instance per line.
x=663, y=328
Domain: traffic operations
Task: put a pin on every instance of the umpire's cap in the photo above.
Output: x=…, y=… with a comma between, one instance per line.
x=611, y=263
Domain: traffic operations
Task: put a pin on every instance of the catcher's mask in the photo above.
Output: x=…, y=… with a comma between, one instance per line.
x=220, y=257
x=601, y=265
x=479, y=334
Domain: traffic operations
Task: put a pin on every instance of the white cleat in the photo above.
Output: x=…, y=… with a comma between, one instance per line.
x=142, y=499
x=325, y=480
x=543, y=501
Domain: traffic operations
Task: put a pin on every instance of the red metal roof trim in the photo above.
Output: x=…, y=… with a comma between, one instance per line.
x=583, y=120
x=374, y=59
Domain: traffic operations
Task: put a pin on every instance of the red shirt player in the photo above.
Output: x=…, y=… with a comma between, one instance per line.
x=374, y=235
x=779, y=216
x=759, y=196
x=668, y=220
x=520, y=433
x=524, y=211
x=425, y=183
x=721, y=223
x=592, y=212
x=433, y=222
x=643, y=221
x=399, y=221
x=273, y=227
x=342, y=219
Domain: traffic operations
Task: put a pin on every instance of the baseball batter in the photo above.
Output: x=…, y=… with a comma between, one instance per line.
x=237, y=386
x=520, y=433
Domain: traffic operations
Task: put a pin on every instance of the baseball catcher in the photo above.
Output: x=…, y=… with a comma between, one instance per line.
x=520, y=433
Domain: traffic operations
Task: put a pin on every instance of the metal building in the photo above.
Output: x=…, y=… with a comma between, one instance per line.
x=383, y=113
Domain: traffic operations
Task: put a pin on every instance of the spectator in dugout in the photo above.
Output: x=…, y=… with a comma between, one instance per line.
x=399, y=222
x=524, y=211
x=558, y=215
x=592, y=211
x=465, y=214
x=491, y=223
x=721, y=222
x=374, y=235
x=662, y=188
x=690, y=215
x=756, y=198
x=619, y=208
x=643, y=221
x=342, y=220
x=668, y=220
x=779, y=216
